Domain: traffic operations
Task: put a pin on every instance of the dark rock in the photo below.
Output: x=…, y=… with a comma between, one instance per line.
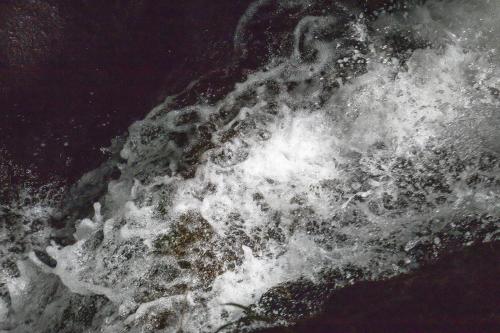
x=294, y=300
x=45, y=258
x=458, y=293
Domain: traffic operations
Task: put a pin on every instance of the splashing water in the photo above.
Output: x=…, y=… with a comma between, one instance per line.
x=371, y=149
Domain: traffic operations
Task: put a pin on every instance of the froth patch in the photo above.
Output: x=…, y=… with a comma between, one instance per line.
x=301, y=149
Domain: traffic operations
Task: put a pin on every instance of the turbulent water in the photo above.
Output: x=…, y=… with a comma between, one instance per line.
x=369, y=148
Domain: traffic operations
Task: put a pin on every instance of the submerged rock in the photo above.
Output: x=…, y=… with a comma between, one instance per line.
x=457, y=293
x=343, y=160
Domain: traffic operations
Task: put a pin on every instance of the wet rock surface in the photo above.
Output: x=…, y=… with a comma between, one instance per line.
x=457, y=293
x=190, y=210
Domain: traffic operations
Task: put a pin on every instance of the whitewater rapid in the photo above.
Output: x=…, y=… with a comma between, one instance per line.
x=370, y=149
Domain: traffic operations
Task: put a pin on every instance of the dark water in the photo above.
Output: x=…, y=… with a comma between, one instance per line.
x=73, y=75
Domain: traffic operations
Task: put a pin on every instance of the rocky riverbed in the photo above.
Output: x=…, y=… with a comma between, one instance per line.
x=336, y=170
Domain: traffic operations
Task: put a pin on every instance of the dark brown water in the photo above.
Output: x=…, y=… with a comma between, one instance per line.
x=73, y=75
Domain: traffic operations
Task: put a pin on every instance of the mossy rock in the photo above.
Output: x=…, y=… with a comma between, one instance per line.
x=294, y=300
x=188, y=230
